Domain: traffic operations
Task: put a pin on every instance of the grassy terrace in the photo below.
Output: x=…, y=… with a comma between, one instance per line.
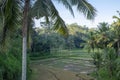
x=65, y=65
x=73, y=54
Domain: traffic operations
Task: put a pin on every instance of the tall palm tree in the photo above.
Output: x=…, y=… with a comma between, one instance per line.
x=116, y=26
x=40, y=9
x=103, y=34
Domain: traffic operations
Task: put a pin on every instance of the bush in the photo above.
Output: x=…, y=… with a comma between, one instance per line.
x=110, y=58
x=10, y=67
x=97, y=59
x=107, y=64
x=118, y=69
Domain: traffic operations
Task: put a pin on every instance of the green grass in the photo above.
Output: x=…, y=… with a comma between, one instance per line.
x=74, y=54
x=103, y=74
x=74, y=60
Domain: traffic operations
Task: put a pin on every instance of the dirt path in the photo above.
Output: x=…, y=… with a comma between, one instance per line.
x=42, y=72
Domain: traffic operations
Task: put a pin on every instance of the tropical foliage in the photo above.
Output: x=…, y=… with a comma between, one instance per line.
x=17, y=13
x=106, y=59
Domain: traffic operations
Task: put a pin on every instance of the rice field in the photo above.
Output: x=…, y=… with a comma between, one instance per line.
x=72, y=65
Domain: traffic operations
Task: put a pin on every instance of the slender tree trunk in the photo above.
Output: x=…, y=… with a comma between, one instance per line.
x=24, y=46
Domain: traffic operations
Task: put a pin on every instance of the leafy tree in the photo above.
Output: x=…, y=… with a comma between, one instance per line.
x=69, y=42
x=45, y=43
x=77, y=33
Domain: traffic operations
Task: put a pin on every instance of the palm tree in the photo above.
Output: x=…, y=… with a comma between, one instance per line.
x=41, y=8
x=98, y=38
x=90, y=40
x=103, y=34
x=116, y=26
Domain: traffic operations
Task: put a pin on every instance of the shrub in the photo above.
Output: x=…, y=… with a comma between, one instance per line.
x=97, y=59
x=110, y=58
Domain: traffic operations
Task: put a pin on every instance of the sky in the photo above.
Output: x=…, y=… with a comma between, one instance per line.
x=105, y=10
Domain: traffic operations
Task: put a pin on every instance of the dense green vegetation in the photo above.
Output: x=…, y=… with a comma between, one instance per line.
x=102, y=42
x=16, y=22
x=106, y=40
x=99, y=45
x=47, y=41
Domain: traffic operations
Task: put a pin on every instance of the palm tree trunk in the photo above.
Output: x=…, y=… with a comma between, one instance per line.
x=24, y=46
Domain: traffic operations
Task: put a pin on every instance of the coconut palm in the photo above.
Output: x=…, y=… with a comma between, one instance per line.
x=103, y=34
x=10, y=9
x=116, y=26
x=91, y=40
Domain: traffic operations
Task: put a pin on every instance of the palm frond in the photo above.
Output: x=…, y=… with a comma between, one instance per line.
x=67, y=5
x=10, y=16
x=46, y=8
x=59, y=24
x=116, y=23
x=39, y=9
x=84, y=7
x=115, y=17
x=103, y=27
